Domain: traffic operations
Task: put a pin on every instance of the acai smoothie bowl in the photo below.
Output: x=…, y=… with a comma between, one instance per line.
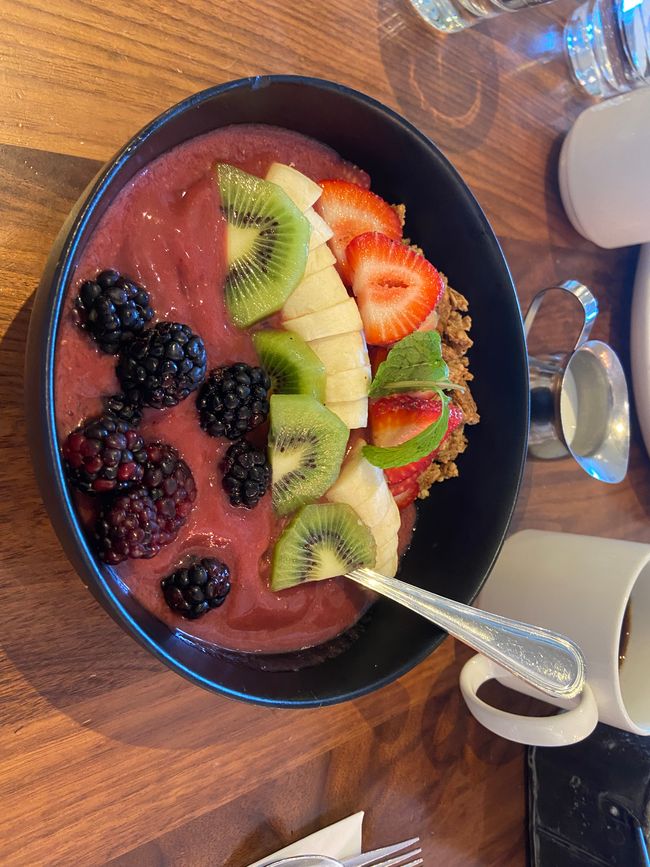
x=262, y=345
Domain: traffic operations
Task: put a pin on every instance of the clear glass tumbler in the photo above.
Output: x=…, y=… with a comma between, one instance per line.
x=449, y=16
x=608, y=44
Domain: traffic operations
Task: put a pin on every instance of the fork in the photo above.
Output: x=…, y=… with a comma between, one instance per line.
x=372, y=858
x=377, y=858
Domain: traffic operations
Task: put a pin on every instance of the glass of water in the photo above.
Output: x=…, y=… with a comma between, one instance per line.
x=608, y=44
x=450, y=16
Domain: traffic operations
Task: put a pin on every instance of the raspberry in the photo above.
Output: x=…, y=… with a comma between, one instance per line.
x=170, y=484
x=162, y=366
x=128, y=527
x=233, y=400
x=104, y=455
x=113, y=309
x=194, y=590
x=246, y=474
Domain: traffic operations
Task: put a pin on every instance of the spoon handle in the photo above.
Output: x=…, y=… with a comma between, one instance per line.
x=544, y=659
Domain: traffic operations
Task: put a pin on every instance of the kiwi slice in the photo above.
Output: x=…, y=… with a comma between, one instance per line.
x=322, y=541
x=306, y=447
x=294, y=368
x=267, y=243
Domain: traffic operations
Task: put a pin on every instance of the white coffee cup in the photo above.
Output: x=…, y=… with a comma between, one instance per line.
x=604, y=171
x=587, y=588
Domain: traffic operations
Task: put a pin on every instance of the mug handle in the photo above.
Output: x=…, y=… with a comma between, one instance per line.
x=584, y=296
x=567, y=727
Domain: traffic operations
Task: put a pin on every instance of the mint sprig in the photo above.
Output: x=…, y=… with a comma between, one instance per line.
x=413, y=364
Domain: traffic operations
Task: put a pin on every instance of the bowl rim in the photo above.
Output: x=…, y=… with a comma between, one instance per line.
x=49, y=466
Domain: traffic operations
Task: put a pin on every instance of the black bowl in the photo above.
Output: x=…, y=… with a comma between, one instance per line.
x=463, y=523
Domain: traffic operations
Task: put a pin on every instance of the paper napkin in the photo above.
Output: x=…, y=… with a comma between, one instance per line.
x=340, y=840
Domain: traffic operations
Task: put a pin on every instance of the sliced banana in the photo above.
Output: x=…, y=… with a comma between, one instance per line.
x=386, y=559
x=316, y=292
x=320, y=231
x=347, y=385
x=318, y=259
x=302, y=191
x=320, y=311
x=353, y=413
x=357, y=481
x=338, y=319
x=363, y=486
x=342, y=351
x=382, y=512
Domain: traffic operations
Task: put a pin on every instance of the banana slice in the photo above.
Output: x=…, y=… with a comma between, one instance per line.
x=386, y=559
x=341, y=352
x=320, y=231
x=347, y=385
x=382, y=513
x=318, y=259
x=302, y=191
x=320, y=290
x=357, y=481
x=338, y=319
x=363, y=487
x=353, y=413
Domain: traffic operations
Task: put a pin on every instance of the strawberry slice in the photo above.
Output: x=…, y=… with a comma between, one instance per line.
x=349, y=210
x=456, y=418
x=414, y=470
x=398, y=418
x=396, y=288
x=405, y=492
x=377, y=355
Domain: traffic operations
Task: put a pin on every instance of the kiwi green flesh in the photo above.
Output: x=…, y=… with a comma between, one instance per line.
x=306, y=448
x=267, y=242
x=293, y=367
x=322, y=541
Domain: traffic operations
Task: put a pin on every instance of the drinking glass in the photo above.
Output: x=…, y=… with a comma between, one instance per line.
x=449, y=16
x=608, y=43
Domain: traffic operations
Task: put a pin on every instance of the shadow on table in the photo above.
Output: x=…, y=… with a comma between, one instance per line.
x=421, y=67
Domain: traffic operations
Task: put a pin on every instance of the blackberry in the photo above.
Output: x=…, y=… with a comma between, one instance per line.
x=113, y=309
x=162, y=366
x=118, y=406
x=194, y=590
x=128, y=527
x=170, y=484
x=246, y=474
x=233, y=400
x=104, y=455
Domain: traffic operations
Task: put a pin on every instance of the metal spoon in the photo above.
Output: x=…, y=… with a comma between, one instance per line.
x=546, y=660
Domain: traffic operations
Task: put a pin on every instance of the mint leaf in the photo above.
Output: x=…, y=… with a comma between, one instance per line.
x=417, y=447
x=413, y=364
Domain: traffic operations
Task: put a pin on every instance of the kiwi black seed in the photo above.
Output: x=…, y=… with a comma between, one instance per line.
x=306, y=448
x=322, y=541
x=267, y=242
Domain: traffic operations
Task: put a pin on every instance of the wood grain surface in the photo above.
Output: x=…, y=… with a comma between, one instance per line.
x=104, y=754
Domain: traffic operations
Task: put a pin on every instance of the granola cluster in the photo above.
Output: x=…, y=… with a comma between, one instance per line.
x=453, y=325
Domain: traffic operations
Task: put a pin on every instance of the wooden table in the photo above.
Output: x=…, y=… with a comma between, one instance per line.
x=105, y=754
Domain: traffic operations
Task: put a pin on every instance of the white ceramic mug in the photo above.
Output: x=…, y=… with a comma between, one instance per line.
x=589, y=589
x=604, y=171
